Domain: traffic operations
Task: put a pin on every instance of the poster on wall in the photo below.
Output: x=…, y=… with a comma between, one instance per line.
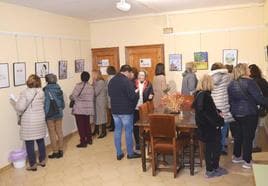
x=175, y=62
x=145, y=62
x=19, y=73
x=201, y=60
x=79, y=65
x=63, y=69
x=41, y=69
x=4, y=75
x=104, y=63
x=230, y=56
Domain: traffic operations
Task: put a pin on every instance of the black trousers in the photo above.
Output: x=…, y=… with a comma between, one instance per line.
x=212, y=153
x=136, y=129
x=31, y=152
x=244, y=135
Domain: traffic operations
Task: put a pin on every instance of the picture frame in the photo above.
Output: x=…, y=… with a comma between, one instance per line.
x=175, y=62
x=63, y=69
x=4, y=75
x=201, y=60
x=19, y=73
x=42, y=68
x=230, y=56
x=79, y=65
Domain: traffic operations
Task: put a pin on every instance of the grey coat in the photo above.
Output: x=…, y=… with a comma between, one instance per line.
x=100, y=91
x=189, y=83
x=108, y=97
x=33, y=123
x=221, y=79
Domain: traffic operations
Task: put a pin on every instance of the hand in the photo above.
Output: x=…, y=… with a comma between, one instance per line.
x=137, y=90
x=221, y=114
x=151, y=96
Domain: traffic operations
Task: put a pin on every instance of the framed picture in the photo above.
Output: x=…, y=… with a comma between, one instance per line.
x=201, y=60
x=63, y=69
x=41, y=69
x=230, y=56
x=79, y=65
x=4, y=75
x=175, y=62
x=19, y=73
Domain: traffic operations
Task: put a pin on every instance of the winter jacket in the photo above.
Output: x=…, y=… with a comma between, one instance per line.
x=221, y=79
x=207, y=117
x=189, y=83
x=244, y=96
x=57, y=95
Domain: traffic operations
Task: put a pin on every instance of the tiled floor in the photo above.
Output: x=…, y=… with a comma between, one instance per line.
x=97, y=165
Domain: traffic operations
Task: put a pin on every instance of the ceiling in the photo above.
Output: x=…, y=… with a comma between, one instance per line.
x=103, y=9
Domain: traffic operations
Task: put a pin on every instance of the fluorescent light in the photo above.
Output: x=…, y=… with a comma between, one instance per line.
x=123, y=6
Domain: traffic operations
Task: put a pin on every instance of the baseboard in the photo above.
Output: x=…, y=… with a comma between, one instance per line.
x=48, y=148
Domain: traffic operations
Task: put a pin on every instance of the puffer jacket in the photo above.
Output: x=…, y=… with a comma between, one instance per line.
x=244, y=103
x=57, y=95
x=221, y=79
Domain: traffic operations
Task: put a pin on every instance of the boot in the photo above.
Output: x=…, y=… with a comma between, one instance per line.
x=60, y=154
x=96, y=130
x=103, y=131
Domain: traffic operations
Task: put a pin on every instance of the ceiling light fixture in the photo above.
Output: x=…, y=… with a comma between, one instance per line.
x=123, y=6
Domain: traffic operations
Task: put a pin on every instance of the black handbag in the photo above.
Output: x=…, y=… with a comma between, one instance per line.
x=53, y=107
x=72, y=102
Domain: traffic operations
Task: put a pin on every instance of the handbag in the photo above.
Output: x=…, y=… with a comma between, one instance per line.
x=53, y=107
x=72, y=102
x=262, y=110
x=20, y=115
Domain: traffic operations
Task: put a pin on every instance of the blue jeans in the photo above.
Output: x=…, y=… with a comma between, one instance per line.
x=223, y=135
x=31, y=153
x=120, y=121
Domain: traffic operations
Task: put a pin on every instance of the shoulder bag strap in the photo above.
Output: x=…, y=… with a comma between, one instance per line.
x=81, y=89
x=28, y=104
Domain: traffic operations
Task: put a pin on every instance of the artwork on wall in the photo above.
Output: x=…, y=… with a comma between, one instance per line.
x=145, y=62
x=230, y=56
x=79, y=65
x=19, y=73
x=41, y=69
x=4, y=75
x=201, y=60
x=175, y=62
x=63, y=69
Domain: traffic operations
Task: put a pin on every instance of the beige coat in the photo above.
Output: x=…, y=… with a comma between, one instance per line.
x=33, y=123
x=159, y=85
x=101, y=102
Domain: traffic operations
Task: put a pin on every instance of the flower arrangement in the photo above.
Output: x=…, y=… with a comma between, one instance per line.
x=172, y=101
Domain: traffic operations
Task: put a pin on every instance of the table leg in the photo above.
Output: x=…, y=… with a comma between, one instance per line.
x=192, y=154
x=142, y=146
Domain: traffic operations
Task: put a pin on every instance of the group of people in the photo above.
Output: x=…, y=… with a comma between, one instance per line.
x=224, y=99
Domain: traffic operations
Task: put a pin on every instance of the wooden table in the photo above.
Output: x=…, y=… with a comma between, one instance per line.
x=260, y=174
x=185, y=122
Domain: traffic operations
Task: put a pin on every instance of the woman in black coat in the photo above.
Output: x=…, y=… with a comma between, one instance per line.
x=209, y=122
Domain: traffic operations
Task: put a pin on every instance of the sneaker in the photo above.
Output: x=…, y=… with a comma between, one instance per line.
x=237, y=160
x=211, y=174
x=221, y=170
x=42, y=163
x=60, y=154
x=256, y=149
x=32, y=168
x=134, y=155
x=119, y=157
x=53, y=155
x=247, y=165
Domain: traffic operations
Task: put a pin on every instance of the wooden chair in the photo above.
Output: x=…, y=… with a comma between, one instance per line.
x=164, y=140
x=150, y=105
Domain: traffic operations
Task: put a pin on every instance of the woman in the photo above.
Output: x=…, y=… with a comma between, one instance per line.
x=160, y=86
x=100, y=93
x=83, y=95
x=30, y=106
x=256, y=74
x=221, y=79
x=209, y=122
x=189, y=80
x=54, y=120
x=244, y=96
x=145, y=90
x=111, y=73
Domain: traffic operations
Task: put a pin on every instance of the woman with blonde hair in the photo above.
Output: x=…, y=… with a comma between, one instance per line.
x=30, y=106
x=244, y=98
x=101, y=101
x=189, y=80
x=209, y=121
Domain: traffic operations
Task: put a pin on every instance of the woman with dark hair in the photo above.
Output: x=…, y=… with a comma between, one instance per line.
x=160, y=85
x=100, y=92
x=111, y=71
x=30, y=106
x=54, y=119
x=83, y=95
x=256, y=74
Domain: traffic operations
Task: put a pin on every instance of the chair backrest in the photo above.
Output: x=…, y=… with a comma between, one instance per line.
x=162, y=126
x=143, y=112
x=187, y=102
x=150, y=105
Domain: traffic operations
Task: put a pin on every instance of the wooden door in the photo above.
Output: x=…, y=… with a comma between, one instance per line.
x=103, y=57
x=145, y=57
